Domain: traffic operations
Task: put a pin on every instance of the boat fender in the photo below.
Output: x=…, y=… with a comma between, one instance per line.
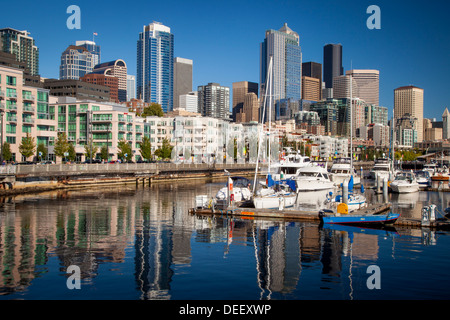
x=342, y=208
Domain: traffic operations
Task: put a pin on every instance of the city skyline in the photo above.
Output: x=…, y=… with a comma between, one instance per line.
x=224, y=42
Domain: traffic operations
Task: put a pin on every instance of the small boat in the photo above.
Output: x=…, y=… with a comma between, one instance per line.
x=279, y=197
x=237, y=190
x=423, y=179
x=313, y=178
x=355, y=201
x=329, y=217
x=381, y=168
x=441, y=175
x=404, y=182
x=342, y=170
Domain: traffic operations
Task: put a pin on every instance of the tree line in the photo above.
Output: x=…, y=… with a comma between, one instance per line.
x=66, y=150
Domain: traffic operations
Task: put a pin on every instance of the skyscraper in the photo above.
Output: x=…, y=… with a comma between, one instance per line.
x=116, y=68
x=313, y=70
x=75, y=63
x=214, y=101
x=446, y=124
x=367, y=85
x=22, y=46
x=284, y=46
x=408, y=102
x=154, y=74
x=131, y=87
x=240, y=89
x=332, y=63
x=182, y=79
x=92, y=47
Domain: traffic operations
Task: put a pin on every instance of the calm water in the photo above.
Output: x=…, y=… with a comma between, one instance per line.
x=141, y=243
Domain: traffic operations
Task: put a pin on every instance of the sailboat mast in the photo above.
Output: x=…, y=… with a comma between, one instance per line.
x=351, y=122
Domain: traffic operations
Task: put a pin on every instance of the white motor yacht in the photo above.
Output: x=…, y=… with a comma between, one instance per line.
x=342, y=170
x=313, y=178
x=404, y=182
x=381, y=168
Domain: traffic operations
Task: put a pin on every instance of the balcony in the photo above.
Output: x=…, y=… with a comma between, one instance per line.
x=101, y=129
x=2, y=94
x=28, y=109
x=28, y=97
x=27, y=120
x=12, y=95
x=11, y=119
x=12, y=108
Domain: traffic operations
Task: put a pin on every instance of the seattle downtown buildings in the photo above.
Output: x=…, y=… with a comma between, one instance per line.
x=312, y=102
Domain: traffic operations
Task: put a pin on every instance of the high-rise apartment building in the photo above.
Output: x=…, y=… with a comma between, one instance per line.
x=154, y=74
x=188, y=102
x=332, y=63
x=284, y=46
x=116, y=68
x=22, y=46
x=367, y=85
x=313, y=70
x=408, y=101
x=446, y=124
x=240, y=89
x=214, y=101
x=93, y=48
x=75, y=63
x=182, y=79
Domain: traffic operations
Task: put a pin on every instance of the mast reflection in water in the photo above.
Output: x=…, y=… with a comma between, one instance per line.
x=141, y=243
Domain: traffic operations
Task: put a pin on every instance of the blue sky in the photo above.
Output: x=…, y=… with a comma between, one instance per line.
x=222, y=38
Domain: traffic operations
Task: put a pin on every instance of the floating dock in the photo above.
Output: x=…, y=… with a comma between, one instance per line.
x=313, y=216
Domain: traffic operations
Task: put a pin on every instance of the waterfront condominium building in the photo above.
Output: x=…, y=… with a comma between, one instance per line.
x=92, y=47
x=116, y=68
x=24, y=110
x=367, y=85
x=182, y=79
x=214, y=101
x=240, y=89
x=154, y=73
x=284, y=46
x=75, y=63
x=22, y=46
x=332, y=63
x=408, y=100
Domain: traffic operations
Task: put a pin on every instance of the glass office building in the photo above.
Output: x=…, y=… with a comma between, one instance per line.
x=284, y=46
x=75, y=63
x=154, y=74
x=92, y=47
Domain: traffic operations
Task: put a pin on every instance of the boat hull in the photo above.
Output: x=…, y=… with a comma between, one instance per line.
x=350, y=219
x=274, y=201
x=339, y=179
x=406, y=188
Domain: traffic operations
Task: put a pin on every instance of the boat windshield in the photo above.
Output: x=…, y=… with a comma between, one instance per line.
x=403, y=176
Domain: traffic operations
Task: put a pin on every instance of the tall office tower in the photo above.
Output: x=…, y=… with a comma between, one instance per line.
x=75, y=63
x=182, y=79
x=189, y=102
x=284, y=46
x=92, y=47
x=131, y=87
x=214, y=101
x=116, y=68
x=154, y=74
x=313, y=70
x=311, y=89
x=368, y=84
x=22, y=46
x=332, y=63
x=341, y=87
x=251, y=107
x=408, y=101
x=446, y=125
x=240, y=89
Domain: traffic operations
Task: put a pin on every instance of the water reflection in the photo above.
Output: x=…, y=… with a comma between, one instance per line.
x=149, y=233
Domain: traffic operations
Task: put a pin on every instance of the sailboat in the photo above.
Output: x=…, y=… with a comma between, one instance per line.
x=278, y=195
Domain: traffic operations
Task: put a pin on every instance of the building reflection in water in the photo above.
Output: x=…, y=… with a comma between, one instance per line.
x=150, y=227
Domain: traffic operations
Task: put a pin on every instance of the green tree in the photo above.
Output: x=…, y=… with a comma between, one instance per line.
x=154, y=109
x=43, y=150
x=61, y=145
x=124, y=150
x=6, y=152
x=145, y=148
x=104, y=152
x=72, y=153
x=165, y=152
x=90, y=150
x=28, y=146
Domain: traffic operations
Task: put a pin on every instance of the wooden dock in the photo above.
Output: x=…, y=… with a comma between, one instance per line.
x=313, y=216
